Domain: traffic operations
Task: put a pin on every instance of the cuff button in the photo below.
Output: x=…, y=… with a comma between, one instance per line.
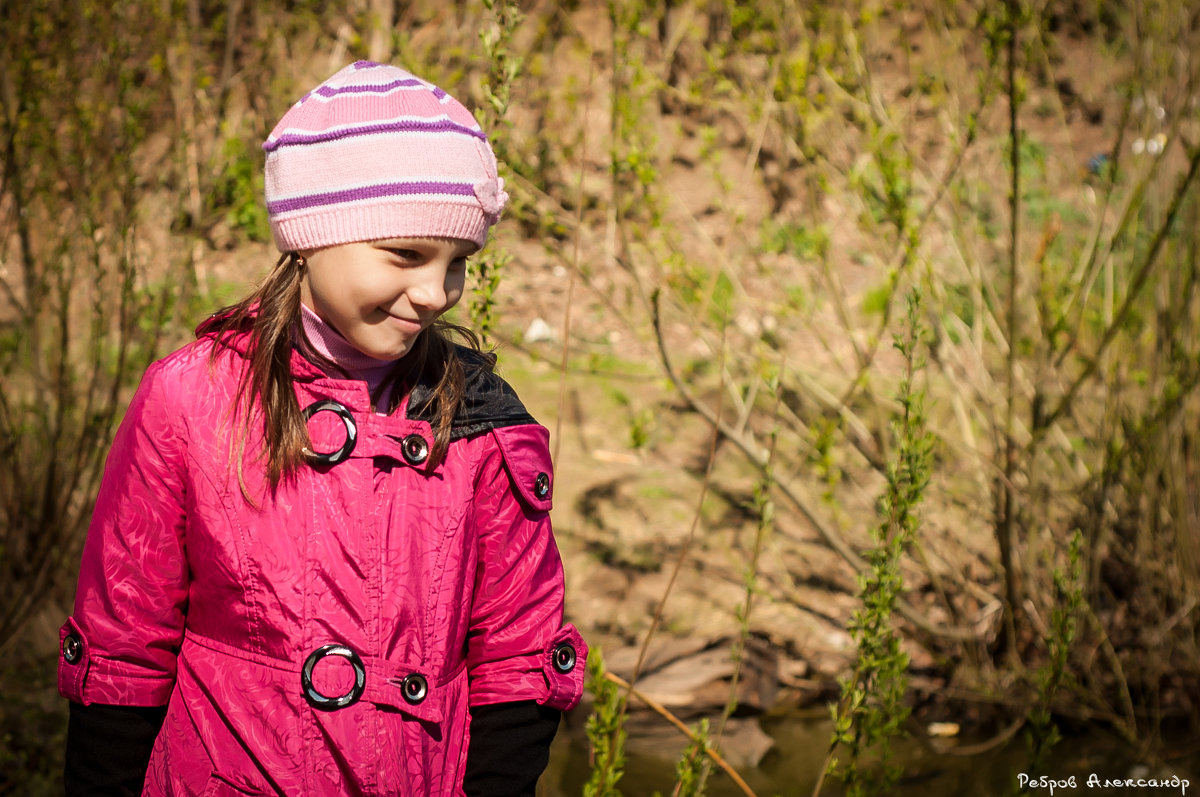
x=72, y=649
x=564, y=658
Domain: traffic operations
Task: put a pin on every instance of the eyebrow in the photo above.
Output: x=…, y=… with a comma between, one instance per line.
x=465, y=250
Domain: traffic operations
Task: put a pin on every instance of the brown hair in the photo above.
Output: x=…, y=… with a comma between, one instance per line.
x=271, y=314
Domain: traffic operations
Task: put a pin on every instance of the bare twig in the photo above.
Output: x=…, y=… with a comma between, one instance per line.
x=685, y=551
x=666, y=714
x=1006, y=506
x=573, y=274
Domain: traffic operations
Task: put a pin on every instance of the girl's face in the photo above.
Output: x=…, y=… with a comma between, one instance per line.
x=381, y=294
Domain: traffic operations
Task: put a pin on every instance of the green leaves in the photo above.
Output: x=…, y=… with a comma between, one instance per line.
x=605, y=728
x=872, y=710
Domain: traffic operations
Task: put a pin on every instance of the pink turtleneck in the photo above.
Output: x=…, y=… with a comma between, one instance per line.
x=329, y=343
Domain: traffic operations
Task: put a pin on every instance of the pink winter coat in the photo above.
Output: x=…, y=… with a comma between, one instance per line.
x=331, y=639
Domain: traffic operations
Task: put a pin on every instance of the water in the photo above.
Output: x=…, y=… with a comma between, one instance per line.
x=792, y=766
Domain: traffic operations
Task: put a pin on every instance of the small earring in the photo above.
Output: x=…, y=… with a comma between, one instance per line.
x=301, y=263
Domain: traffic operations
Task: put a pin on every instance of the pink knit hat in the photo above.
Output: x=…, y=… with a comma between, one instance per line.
x=375, y=152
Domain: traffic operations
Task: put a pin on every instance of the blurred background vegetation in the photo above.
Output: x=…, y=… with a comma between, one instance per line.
x=868, y=330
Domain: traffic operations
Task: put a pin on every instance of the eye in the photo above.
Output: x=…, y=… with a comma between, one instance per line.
x=459, y=264
x=407, y=255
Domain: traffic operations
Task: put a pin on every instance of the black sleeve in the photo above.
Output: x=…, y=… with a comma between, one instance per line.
x=509, y=749
x=108, y=748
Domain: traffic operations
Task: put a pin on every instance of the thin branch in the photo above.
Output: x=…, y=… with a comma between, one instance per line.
x=685, y=551
x=666, y=714
x=1006, y=522
x=573, y=271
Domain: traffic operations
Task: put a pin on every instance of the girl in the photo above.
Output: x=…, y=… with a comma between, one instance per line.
x=321, y=559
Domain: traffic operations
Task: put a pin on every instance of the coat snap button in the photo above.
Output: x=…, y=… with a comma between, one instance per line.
x=415, y=449
x=564, y=658
x=541, y=485
x=72, y=649
x=414, y=688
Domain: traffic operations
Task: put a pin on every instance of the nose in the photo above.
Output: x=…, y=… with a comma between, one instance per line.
x=428, y=291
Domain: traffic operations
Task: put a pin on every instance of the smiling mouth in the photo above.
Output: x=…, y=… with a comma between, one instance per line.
x=400, y=321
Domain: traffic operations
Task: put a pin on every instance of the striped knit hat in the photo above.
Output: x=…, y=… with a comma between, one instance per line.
x=375, y=152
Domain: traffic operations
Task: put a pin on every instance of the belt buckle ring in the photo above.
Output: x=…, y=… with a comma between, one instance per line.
x=322, y=702
x=333, y=457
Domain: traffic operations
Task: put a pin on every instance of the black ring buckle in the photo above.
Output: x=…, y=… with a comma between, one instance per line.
x=320, y=701
x=334, y=457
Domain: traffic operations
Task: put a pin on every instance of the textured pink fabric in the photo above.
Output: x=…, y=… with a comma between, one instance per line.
x=375, y=152
x=191, y=597
x=329, y=343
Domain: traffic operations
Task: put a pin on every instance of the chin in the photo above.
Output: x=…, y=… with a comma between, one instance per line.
x=394, y=353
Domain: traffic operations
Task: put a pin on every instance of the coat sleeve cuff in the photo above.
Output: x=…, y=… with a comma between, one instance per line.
x=552, y=676
x=86, y=678
x=564, y=662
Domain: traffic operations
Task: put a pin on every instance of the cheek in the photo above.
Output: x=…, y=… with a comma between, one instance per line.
x=328, y=288
x=363, y=291
x=318, y=293
x=455, y=285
